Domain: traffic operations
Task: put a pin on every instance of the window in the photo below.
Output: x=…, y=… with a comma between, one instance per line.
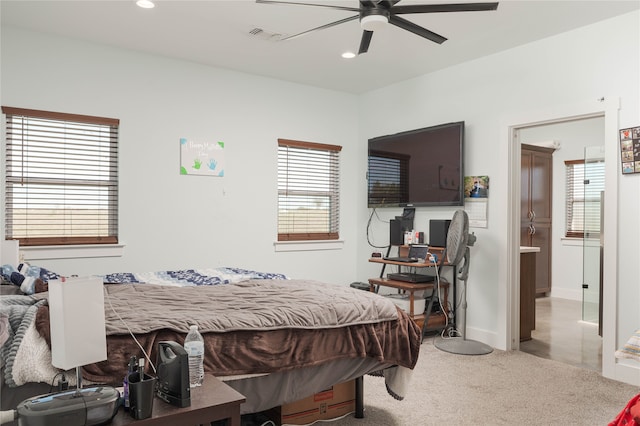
x=585, y=184
x=61, y=183
x=308, y=191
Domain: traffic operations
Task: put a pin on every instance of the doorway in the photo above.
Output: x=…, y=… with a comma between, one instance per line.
x=554, y=154
x=598, y=108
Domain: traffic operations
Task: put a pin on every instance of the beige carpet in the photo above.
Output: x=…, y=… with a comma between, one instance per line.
x=502, y=388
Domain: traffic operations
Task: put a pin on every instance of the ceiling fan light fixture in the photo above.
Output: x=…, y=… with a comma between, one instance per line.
x=145, y=4
x=374, y=15
x=373, y=22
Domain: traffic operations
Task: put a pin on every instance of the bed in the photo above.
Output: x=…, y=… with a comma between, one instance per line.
x=275, y=340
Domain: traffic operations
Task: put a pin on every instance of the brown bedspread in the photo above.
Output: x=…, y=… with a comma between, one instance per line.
x=254, y=327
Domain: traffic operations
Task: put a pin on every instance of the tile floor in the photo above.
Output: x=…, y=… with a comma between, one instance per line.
x=561, y=336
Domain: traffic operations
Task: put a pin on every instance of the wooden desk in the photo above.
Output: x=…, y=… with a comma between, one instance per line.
x=210, y=402
x=425, y=320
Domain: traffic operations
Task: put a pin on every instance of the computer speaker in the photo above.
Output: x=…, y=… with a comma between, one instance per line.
x=438, y=230
x=396, y=233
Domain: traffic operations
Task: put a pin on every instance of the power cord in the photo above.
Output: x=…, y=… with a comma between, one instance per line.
x=63, y=384
x=452, y=332
x=106, y=293
x=373, y=211
x=433, y=258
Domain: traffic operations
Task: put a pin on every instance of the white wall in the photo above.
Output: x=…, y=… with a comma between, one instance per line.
x=172, y=221
x=573, y=137
x=601, y=60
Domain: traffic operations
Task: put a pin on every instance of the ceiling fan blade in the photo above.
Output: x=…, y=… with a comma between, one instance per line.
x=322, y=27
x=387, y=4
x=365, y=41
x=349, y=9
x=416, y=29
x=451, y=7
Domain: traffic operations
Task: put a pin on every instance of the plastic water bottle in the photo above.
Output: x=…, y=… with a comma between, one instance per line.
x=194, y=346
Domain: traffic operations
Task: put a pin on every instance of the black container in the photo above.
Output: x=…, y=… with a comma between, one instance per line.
x=141, y=395
x=173, y=374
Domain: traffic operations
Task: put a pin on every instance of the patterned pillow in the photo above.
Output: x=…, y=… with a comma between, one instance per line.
x=631, y=349
x=30, y=278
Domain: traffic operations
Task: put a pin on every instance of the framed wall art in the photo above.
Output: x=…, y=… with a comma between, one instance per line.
x=630, y=150
x=201, y=158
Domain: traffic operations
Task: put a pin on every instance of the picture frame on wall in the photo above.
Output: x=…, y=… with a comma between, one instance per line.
x=630, y=150
x=202, y=158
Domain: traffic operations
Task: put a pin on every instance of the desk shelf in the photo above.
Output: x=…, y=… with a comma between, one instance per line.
x=426, y=320
x=434, y=320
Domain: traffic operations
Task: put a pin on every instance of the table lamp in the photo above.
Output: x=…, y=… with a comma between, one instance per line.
x=78, y=337
x=76, y=314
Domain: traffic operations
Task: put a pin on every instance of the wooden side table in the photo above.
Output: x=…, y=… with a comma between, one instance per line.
x=212, y=401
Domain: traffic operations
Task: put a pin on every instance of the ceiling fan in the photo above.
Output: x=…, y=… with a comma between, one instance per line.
x=375, y=14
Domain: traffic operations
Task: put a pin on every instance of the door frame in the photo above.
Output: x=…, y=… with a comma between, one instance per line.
x=509, y=299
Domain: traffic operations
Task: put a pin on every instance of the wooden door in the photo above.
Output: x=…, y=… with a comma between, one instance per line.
x=541, y=180
x=536, y=208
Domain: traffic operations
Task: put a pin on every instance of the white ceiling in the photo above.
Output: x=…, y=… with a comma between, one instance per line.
x=218, y=33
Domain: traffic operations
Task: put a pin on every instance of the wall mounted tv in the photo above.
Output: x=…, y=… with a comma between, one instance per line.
x=421, y=167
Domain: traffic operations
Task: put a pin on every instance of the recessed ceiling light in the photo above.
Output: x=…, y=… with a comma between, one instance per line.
x=146, y=4
x=348, y=55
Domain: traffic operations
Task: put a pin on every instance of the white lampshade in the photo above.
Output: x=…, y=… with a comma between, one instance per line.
x=373, y=22
x=9, y=252
x=76, y=312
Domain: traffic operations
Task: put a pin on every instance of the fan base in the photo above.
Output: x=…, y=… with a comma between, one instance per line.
x=458, y=345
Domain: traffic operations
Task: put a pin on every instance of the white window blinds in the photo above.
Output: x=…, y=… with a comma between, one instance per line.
x=61, y=178
x=308, y=191
x=585, y=186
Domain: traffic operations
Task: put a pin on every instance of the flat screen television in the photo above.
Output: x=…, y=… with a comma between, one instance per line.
x=421, y=167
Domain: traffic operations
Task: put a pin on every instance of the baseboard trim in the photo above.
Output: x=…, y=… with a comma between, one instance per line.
x=567, y=293
x=488, y=337
x=627, y=371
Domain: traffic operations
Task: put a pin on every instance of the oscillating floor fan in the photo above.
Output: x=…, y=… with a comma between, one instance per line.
x=458, y=254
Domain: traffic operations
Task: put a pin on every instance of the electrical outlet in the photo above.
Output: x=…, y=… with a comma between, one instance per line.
x=21, y=256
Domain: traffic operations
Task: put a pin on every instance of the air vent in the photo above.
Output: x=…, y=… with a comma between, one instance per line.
x=264, y=35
